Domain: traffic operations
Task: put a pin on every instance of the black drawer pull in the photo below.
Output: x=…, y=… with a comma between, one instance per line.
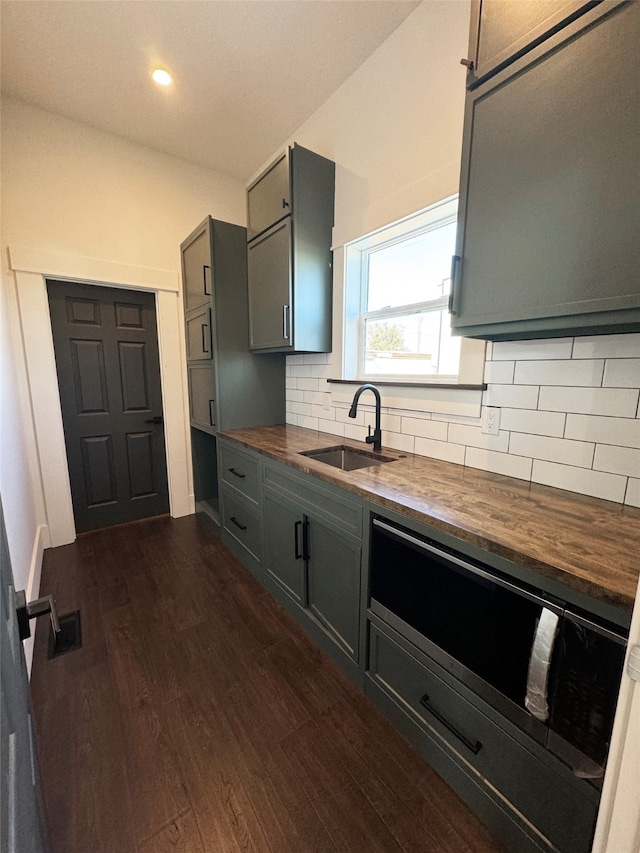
x=237, y=523
x=296, y=543
x=474, y=745
x=237, y=473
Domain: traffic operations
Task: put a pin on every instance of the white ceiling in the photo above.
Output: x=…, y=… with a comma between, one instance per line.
x=247, y=72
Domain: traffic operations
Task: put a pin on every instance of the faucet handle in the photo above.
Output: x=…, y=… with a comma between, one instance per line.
x=370, y=438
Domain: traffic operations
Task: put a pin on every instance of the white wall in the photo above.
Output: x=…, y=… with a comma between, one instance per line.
x=84, y=200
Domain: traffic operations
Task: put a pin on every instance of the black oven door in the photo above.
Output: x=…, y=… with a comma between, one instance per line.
x=485, y=630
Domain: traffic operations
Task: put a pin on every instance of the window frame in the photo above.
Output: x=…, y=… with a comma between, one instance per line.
x=356, y=256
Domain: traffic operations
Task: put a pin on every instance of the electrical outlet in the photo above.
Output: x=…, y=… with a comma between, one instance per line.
x=491, y=420
x=326, y=402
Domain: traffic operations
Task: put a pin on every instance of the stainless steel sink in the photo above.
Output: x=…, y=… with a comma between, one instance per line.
x=347, y=458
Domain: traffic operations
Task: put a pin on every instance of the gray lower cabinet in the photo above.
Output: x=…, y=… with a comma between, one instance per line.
x=240, y=490
x=522, y=793
x=550, y=187
x=313, y=560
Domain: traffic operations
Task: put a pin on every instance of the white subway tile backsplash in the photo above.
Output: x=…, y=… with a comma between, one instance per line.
x=330, y=426
x=440, y=450
x=301, y=408
x=427, y=429
x=398, y=441
x=617, y=460
x=307, y=422
x=499, y=463
x=570, y=413
x=307, y=384
x=632, y=497
x=616, y=402
x=512, y=396
x=499, y=372
x=610, y=487
x=622, y=373
x=607, y=346
x=552, y=449
x=575, y=373
x=624, y=432
x=526, y=350
x=391, y=423
x=472, y=436
x=533, y=421
x=300, y=369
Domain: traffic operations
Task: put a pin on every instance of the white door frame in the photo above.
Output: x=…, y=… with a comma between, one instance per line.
x=51, y=476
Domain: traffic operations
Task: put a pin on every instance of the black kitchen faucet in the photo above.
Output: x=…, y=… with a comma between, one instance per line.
x=376, y=437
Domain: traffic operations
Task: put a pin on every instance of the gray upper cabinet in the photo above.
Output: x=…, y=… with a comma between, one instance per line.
x=269, y=198
x=503, y=30
x=550, y=188
x=228, y=386
x=290, y=215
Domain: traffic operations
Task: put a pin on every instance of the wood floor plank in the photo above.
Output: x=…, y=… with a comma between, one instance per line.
x=199, y=717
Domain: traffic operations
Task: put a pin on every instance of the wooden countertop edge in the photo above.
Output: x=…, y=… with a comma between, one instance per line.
x=473, y=534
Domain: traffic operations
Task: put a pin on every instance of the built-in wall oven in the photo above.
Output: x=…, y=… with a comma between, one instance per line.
x=549, y=668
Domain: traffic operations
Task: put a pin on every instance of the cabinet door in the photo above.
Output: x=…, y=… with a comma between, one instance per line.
x=283, y=524
x=196, y=269
x=269, y=270
x=550, y=189
x=202, y=396
x=502, y=30
x=333, y=583
x=269, y=197
x=198, y=329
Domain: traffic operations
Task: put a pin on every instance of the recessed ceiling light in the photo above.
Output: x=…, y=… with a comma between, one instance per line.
x=161, y=76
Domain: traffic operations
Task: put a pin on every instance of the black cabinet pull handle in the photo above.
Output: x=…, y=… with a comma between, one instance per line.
x=237, y=523
x=212, y=413
x=207, y=279
x=474, y=745
x=305, y=539
x=285, y=203
x=296, y=543
x=237, y=473
x=205, y=343
x=453, y=293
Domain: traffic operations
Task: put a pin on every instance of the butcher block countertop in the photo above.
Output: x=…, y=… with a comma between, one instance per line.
x=588, y=544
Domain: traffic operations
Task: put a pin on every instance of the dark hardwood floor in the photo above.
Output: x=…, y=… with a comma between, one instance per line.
x=197, y=717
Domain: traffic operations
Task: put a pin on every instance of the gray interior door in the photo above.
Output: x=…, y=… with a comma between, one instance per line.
x=106, y=349
x=20, y=816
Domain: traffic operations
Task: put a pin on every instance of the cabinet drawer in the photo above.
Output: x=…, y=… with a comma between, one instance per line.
x=198, y=329
x=332, y=504
x=553, y=804
x=243, y=523
x=240, y=471
x=269, y=197
x=202, y=396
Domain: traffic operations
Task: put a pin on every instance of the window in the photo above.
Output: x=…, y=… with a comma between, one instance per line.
x=396, y=301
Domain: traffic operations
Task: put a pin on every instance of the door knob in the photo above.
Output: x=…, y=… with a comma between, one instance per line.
x=34, y=608
x=156, y=420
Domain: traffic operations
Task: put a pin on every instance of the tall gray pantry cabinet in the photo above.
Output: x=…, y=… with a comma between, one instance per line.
x=550, y=184
x=290, y=221
x=228, y=386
